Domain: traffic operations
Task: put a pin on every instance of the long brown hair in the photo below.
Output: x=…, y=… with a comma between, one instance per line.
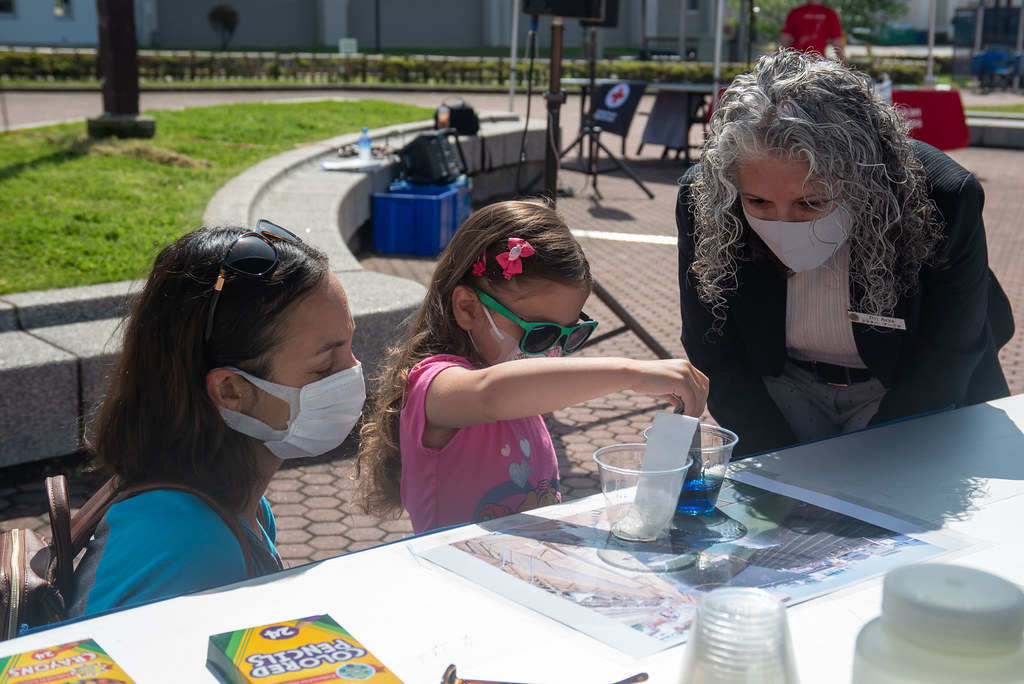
x=156, y=421
x=432, y=329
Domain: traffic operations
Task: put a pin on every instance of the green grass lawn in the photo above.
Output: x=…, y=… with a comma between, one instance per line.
x=78, y=211
x=1000, y=109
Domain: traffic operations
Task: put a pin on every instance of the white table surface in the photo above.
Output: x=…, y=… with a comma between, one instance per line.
x=959, y=471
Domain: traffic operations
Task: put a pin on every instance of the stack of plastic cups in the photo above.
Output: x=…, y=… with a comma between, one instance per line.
x=739, y=636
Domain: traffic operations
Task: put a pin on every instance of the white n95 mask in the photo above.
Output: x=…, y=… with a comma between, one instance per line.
x=804, y=245
x=322, y=414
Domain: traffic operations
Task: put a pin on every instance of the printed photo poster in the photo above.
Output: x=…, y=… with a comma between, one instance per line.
x=640, y=597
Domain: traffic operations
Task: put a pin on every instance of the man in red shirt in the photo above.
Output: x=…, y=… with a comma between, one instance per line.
x=811, y=27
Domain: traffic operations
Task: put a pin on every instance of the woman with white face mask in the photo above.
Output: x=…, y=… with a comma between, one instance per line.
x=237, y=355
x=833, y=272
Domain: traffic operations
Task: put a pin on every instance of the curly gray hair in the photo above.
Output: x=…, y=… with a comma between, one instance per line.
x=805, y=108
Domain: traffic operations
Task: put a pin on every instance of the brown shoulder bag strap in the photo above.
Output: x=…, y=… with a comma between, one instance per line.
x=60, y=528
x=88, y=517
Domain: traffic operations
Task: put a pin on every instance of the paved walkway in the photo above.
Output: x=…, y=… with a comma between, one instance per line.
x=628, y=241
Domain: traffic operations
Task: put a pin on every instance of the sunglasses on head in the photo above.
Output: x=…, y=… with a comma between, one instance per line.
x=252, y=255
x=541, y=337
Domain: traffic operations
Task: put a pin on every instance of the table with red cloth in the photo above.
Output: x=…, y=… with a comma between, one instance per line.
x=936, y=116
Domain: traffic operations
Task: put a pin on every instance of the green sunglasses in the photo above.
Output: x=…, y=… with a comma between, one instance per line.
x=540, y=337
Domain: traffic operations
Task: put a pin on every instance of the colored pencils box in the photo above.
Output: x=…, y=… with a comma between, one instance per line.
x=303, y=651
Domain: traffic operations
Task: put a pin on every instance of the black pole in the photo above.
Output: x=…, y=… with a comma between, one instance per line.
x=376, y=24
x=555, y=98
x=750, y=32
x=3, y=106
x=592, y=152
x=118, y=56
x=592, y=132
x=118, y=62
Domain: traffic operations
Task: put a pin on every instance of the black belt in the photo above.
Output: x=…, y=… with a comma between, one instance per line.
x=831, y=374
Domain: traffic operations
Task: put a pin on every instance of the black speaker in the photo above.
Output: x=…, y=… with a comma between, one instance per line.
x=428, y=160
x=581, y=9
x=611, y=16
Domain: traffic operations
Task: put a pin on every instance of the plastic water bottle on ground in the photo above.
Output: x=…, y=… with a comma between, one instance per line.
x=365, y=150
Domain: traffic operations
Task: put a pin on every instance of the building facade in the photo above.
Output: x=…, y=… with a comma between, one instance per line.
x=684, y=27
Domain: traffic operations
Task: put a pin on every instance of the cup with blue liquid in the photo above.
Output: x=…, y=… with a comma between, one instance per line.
x=710, y=453
x=703, y=480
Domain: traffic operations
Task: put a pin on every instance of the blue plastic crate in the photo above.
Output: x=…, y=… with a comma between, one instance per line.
x=407, y=223
x=463, y=200
x=420, y=219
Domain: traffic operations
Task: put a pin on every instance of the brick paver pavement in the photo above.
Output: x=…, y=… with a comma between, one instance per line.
x=310, y=498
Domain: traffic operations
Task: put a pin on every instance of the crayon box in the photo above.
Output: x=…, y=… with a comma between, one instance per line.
x=78, y=661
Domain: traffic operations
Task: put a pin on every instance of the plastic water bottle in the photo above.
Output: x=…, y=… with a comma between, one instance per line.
x=444, y=117
x=943, y=624
x=365, y=150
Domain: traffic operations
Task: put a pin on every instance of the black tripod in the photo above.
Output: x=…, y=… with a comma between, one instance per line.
x=591, y=132
x=555, y=98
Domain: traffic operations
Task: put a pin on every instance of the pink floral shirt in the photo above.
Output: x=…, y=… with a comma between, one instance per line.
x=486, y=471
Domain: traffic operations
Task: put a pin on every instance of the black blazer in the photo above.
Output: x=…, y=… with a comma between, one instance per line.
x=956, y=319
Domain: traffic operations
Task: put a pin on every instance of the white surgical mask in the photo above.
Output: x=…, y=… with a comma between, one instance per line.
x=509, y=347
x=804, y=245
x=322, y=414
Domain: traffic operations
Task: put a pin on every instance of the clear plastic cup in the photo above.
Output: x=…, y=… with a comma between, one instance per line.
x=739, y=635
x=640, y=503
x=703, y=481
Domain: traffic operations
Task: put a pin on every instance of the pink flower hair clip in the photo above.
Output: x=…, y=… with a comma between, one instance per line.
x=511, y=261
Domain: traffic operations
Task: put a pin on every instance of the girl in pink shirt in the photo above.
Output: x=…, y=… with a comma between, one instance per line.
x=456, y=434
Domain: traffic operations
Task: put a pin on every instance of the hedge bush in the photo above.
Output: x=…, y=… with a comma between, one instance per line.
x=80, y=65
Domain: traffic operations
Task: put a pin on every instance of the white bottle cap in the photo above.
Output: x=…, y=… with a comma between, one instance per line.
x=953, y=608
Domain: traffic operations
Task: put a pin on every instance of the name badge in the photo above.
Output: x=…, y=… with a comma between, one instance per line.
x=878, y=321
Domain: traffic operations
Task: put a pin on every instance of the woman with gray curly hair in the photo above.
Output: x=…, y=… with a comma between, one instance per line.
x=833, y=271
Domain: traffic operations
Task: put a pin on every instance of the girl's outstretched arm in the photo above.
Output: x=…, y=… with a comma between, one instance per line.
x=459, y=397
